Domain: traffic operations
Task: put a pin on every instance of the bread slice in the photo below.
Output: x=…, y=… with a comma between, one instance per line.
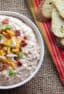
x=45, y=10
x=59, y=4
x=62, y=42
x=59, y=42
x=57, y=24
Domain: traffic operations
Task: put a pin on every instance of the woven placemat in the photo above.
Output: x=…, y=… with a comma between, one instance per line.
x=47, y=80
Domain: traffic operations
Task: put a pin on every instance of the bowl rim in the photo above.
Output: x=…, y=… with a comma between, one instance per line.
x=36, y=30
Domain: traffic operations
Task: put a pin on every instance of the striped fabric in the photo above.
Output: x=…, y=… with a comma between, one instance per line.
x=56, y=52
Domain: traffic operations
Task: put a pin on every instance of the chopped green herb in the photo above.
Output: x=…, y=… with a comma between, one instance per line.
x=1, y=36
x=5, y=27
x=11, y=72
x=20, y=54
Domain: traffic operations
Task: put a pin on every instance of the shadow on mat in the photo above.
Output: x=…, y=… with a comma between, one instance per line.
x=18, y=90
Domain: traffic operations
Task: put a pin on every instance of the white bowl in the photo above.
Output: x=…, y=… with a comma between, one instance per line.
x=41, y=43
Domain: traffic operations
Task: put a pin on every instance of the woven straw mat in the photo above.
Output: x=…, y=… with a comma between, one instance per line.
x=47, y=80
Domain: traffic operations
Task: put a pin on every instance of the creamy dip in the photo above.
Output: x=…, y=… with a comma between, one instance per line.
x=19, y=50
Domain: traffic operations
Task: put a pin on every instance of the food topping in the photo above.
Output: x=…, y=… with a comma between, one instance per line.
x=17, y=33
x=25, y=37
x=19, y=63
x=1, y=36
x=23, y=43
x=11, y=72
x=5, y=21
x=6, y=27
x=20, y=54
x=10, y=46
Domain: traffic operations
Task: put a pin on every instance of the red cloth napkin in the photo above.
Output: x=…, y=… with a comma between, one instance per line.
x=56, y=52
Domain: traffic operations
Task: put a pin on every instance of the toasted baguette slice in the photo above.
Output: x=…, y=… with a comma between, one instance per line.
x=57, y=24
x=45, y=10
x=59, y=42
x=62, y=42
x=59, y=4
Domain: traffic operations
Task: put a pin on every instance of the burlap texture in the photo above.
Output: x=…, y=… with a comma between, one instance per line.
x=47, y=80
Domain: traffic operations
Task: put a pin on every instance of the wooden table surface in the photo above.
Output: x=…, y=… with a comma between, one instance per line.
x=47, y=79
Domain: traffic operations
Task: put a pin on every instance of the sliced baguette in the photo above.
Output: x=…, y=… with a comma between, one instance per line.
x=57, y=24
x=59, y=42
x=45, y=10
x=59, y=4
x=62, y=42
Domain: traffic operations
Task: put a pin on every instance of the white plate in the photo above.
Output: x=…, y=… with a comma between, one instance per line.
x=41, y=43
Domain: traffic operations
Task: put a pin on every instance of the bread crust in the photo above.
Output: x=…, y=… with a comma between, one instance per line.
x=59, y=42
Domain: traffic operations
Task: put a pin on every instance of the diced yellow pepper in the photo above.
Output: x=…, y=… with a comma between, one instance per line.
x=8, y=50
x=7, y=41
x=9, y=62
x=15, y=50
x=4, y=33
x=1, y=52
x=17, y=43
x=11, y=33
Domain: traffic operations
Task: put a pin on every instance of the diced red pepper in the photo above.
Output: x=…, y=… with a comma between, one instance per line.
x=5, y=21
x=25, y=37
x=23, y=43
x=17, y=61
x=16, y=58
x=17, y=32
x=1, y=45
